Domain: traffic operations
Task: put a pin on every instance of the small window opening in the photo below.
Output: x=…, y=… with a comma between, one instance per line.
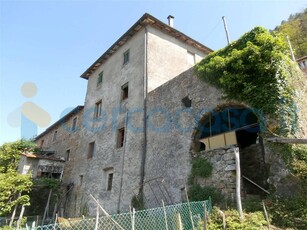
x=120, y=137
x=55, y=135
x=98, y=109
x=110, y=182
x=126, y=57
x=91, y=148
x=100, y=78
x=125, y=92
x=191, y=58
x=186, y=101
x=108, y=175
x=74, y=124
x=81, y=179
x=67, y=155
x=42, y=144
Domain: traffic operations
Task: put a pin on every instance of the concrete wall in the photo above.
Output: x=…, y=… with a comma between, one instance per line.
x=167, y=57
x=27, y=165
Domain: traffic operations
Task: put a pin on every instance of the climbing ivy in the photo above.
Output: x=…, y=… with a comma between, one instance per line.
x=256, y=69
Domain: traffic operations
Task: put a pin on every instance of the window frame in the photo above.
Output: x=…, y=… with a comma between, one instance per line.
x=91, y=150
x=74, y=124
x=120, y=141
x=55, y=133
x=126, y=57
x=125, y=91
x=99, y=79
x=67, y=155
x=81, y=177
x=190, y=56
x=109, y=178
x=98, y=109
x=41, y=143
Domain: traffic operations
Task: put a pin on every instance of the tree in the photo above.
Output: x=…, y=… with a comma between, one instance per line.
x=296, y=28
x=14, y=187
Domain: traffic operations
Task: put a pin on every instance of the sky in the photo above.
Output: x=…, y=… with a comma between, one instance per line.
x=45, y=45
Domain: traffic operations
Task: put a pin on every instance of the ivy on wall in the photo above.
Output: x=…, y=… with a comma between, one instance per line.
x=256, y=70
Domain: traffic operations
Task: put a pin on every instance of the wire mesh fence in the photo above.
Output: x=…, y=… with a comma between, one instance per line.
x=180, y=216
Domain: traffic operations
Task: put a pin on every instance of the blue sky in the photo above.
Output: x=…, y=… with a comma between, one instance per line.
x=52, y=42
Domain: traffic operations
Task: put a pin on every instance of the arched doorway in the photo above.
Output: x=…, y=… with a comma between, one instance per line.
x=235, y=125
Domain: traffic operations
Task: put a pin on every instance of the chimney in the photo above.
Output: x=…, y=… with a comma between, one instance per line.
x=170, y=20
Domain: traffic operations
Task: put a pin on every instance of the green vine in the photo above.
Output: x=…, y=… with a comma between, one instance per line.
x=256, y=69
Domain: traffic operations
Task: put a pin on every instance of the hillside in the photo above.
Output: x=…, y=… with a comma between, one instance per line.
x=296, y=28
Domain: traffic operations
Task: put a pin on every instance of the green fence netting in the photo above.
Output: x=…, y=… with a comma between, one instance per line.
x=169, y=217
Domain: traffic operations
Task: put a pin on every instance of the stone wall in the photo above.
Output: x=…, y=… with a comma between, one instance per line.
x=223, y=176
x=170, y=128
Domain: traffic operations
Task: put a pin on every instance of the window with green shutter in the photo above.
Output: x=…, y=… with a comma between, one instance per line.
x=100, y=78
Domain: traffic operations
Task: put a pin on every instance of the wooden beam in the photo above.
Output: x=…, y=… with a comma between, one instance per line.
x=287, y=140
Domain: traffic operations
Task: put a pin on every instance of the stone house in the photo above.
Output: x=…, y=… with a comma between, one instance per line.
x=302, y=62
x=145, y=115
x=42, y=164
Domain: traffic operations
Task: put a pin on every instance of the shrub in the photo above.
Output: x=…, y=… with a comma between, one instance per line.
x=287, y=212
x=137, y=202
x=251, y=221
x=198, y=193
x=201, y=167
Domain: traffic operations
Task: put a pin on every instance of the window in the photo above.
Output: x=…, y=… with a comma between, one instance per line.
x=55, y=135
x=191, y=58
x=67, y=155
x=109, y=178
x=98, y=109
x=91, y=149
x=110, y=181
x=124, y=92
x=120, y=137
x=74, y=124
x=100, y=78
x=81, y=179
x=42, y=143
x=126, y=57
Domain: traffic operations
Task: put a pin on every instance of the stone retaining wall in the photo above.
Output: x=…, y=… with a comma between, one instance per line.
x=223, y=175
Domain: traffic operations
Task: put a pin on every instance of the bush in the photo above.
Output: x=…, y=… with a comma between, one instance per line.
x=137, y=202
x=201, y=168
x=198, y=193
x=252, y=221
x=252, y=204
x=287, y=212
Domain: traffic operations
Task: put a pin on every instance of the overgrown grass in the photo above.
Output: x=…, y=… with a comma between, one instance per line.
x=251, y=221
x=198, y=193
x=288, y=212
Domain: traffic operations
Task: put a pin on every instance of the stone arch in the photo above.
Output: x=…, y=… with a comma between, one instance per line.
x=234, y=124
x=226, y=118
